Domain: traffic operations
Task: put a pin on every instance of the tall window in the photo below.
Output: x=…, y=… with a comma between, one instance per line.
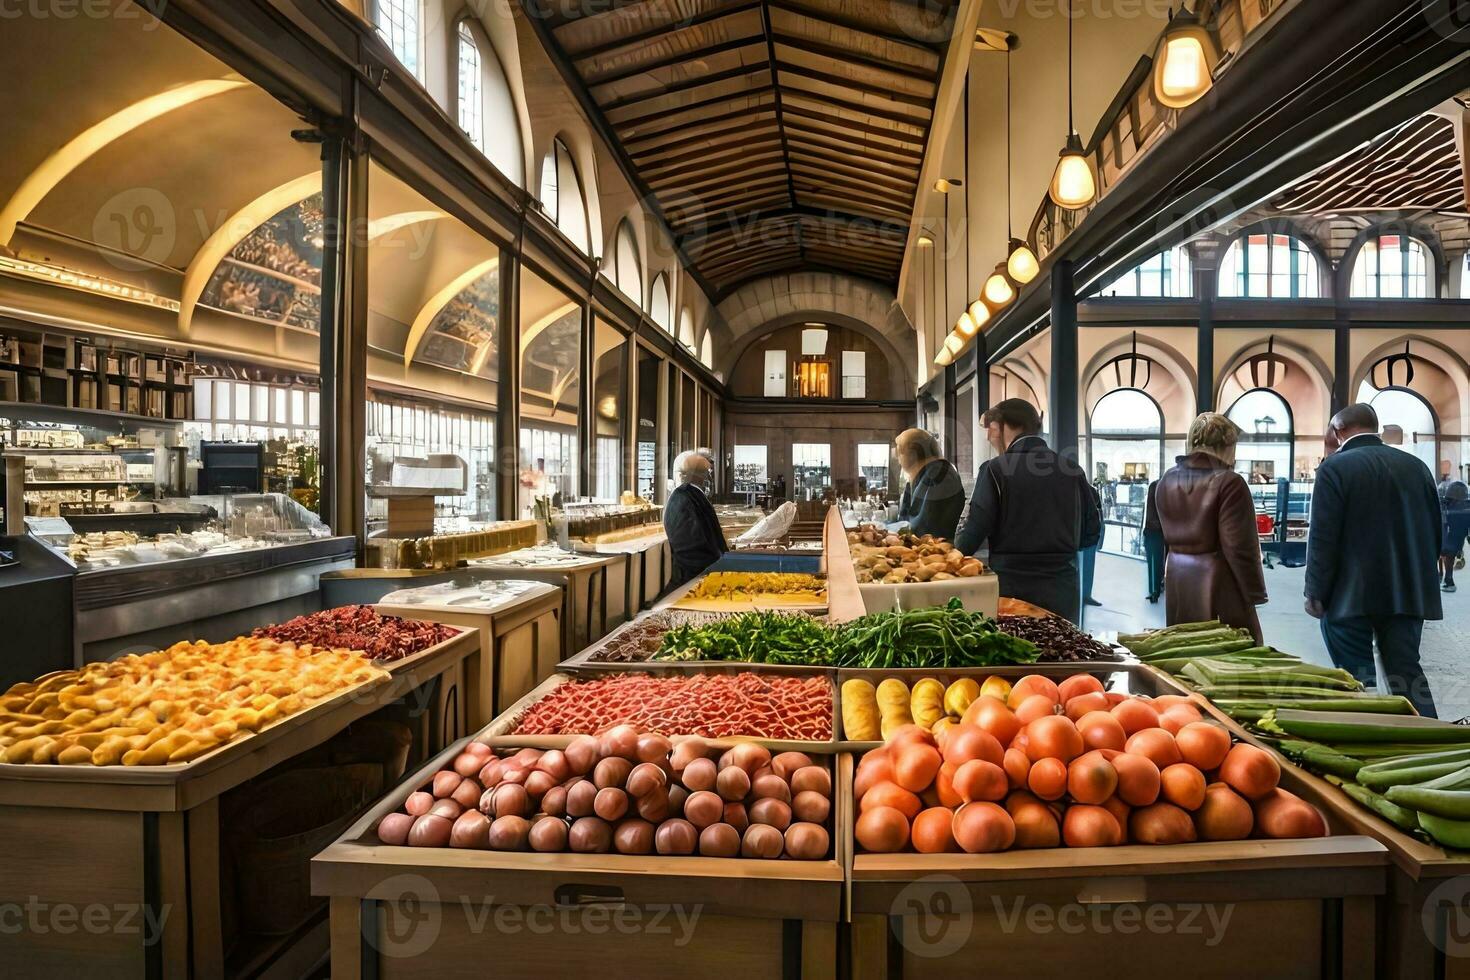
x=707, y=350
x=1266, y=266
x=750, y=469
x=1163, y=275
x=1391, y=267
x=231, y=411
x=775, y=386
x=628, y=273
x=561, y=195
x=686, y=328
x=659, y=306
x=398, y=22
x=854, y=374
x=471, y=99
x=873, y=465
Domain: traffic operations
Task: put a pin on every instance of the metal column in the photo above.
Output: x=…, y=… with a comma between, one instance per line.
x=1062, y=392
x=508, y=381
x=1205, y=285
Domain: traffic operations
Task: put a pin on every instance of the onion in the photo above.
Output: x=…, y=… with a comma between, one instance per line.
x=480, y=750
x=580, y=798
x=430, y=830
x=620, y=741
x=511, y=800
x=468, y=764
x=686, y=752
x=538, y=782
x=509, y=833
x=445, y=783
x=556, y=765
x=655, y=807
x=675, y=837
x=750, y=757
x=548, y=835
x=732, y=783
x=418, y=803
x=633, y=836
x=645, y=778
x=699, y=774
x=467, y=794
x=582, y=755
x=653, y=747
x=446, y=808
x=612, y=771
x=719, y=840
x=393, y=829
x=762, y=841
x=610, y=803
x=590, y=835
x=771, y=786
x=469, y=830
x=490, y=772
x=554, y=803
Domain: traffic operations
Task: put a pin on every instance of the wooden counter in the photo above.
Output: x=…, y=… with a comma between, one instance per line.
x=519, y=645
x=147, y=839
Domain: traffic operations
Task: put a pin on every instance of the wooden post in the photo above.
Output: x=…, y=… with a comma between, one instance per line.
x=15, y=500
x=508, y=382
x=1206, y=286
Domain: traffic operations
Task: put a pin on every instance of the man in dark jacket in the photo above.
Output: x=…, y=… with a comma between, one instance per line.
x=695, y=538
x=1372, y=551
x=935, y=497
x=1036, y=509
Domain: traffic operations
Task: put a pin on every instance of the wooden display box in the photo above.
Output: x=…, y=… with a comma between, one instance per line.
x=519, y=644
x=585, y=579
x=1267, y=908
x=145, y=841
x=407, y=912
x=1424, y=917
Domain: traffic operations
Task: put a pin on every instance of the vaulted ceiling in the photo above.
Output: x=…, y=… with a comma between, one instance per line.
x=775, y=135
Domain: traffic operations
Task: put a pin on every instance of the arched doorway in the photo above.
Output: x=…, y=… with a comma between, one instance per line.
x=1125, y=445
x=1265, y=451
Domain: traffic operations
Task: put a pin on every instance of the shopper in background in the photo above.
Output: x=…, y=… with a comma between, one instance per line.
x=695, y=538
x=1155, y=548
x=934, y=496
x=1454, y=502
x=1372, y=550
x=1209, y=525
x=1036, y=510
x=1088, y=556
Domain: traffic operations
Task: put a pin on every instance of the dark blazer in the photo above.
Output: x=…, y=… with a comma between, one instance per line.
x=1373, y=543
x=1209, y=523
x=932, y=504
x=1037, y=510
x=695, y=538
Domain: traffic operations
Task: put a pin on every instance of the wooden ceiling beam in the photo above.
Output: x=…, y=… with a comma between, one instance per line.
x=595, y=81
x=733, y=124
x=712, y=154
x=857, y=56
x=715, y=170
x=689, y=85
x=857, y=125
x=848, y=105
x=852, y=24
x=825, y=140
x=656, y=33
x=664, y=114
x=856, y=163
x=925, y=102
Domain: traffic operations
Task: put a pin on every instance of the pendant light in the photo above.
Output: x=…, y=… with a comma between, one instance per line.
x=979, y=314
x=954, y=343
x=1184, y=61
x=966, y=326
x=1072, y=185
x=1021, y=264
x=998, y=290
x=944, y=358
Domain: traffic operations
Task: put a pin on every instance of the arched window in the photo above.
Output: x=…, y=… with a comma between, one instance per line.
x=1269, y=266
x=1391, y=267
x=627, y=271
x=1126, y=450
x=561, y=195
x=1264, y=451
x=471, y=98
x=659, y=306
x=707, y=351
x=398, y=22
x=686, y=328
x=1166, y=274
x=1405, y=421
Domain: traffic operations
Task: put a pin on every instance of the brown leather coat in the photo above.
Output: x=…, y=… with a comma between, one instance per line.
x=1214, y=568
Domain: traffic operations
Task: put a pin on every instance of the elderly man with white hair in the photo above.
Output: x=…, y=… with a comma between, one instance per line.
x=934, y=497
x=695, y=538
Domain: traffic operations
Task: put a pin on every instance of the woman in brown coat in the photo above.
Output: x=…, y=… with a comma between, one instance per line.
x=1214, y=565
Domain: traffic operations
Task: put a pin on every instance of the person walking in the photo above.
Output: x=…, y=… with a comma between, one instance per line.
x=1372, y=555
x=934, y=497
x=1036, y=510
x=696, y=540
x=1454, y=527
x=1209, y=526
x=1155, y=548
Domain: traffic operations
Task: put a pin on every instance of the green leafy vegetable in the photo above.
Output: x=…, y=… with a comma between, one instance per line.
x=753, y=637
x=944, y=636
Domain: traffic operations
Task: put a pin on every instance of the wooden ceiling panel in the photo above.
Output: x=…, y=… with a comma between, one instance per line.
x=773, y=134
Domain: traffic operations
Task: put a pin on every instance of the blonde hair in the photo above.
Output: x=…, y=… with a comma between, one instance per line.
x=1212, y=433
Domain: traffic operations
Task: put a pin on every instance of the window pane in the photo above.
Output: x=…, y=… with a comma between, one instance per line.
x=203, y=398
x=750, y=469
x=872, y=460
x=242, y=402
x=854, y=374
x=471, y=104
x=313, y=407
x=398, y=22
x=775, y=374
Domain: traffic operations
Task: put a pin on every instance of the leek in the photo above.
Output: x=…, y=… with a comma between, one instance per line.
x=1451, y=803
x=1352, y=726
x=1319, y=758
x=1400, y=817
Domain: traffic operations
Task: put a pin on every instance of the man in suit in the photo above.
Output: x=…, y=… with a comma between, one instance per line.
x=935, y=497
x=1035, y=508
x=1372, y=551
x=695, y=538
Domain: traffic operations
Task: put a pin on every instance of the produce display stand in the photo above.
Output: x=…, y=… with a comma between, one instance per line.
x=144, y=842
x=585, y=581
x=405, y=911
x=1296, y=908
x=645, y=574
x=1422, y=923
x=519, y=645
x=979, y=593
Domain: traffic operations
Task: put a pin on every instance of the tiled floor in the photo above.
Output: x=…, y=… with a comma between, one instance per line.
x=1445, y=651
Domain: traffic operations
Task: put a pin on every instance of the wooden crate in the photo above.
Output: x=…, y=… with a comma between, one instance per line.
x=409, y=912
x=519, y=644
x=585, y=604
x=145, y=840
x=1426, y=912
x=1225, y=909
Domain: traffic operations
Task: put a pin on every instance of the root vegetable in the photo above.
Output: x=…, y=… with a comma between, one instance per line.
x=762, y=841
x=610, y=804
x=509, y=833
x=810, y=807
x=675, y=837
x=590, y=835
x=393, y=829
x=773, y=813
x=430, y=830
x=719, y=840
x=806, y=841
x=633, y=836
x=548, y=835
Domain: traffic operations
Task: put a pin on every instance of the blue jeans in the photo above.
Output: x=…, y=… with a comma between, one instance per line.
x=1350, y=642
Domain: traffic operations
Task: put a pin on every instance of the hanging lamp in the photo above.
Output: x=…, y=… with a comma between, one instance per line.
x=944, y=358
x=966, y=326
x=954, y=343
x=1072, y=185
x=1021, y=264
x=980, y=314
x=998, y=290
x=1184, y=61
